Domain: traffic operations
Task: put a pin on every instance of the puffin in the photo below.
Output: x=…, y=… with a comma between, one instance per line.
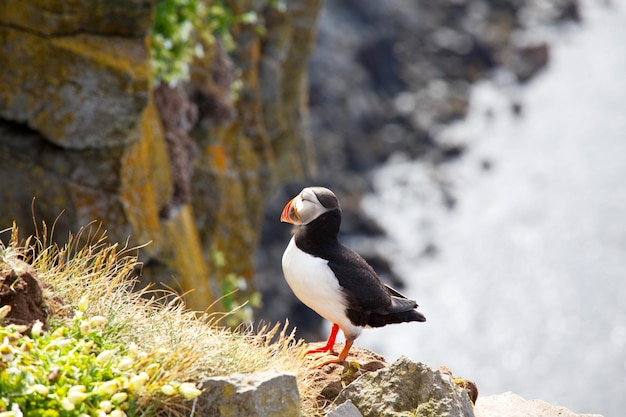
x=332, y=279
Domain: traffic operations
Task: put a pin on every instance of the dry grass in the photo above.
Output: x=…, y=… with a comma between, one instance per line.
x=87, y=268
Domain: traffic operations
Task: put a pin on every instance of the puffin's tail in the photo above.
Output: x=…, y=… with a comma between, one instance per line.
x=405, y=316
x=402, y=309
x=380, y=320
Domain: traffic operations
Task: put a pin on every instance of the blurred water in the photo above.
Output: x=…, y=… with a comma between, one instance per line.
x=527, y=288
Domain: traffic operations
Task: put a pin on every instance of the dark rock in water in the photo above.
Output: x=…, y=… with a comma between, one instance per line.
x=410, y=64
x=529, y=60
x=382, y=65
x=400, y=70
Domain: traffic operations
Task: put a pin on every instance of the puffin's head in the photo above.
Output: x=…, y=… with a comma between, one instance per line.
x=307, y=206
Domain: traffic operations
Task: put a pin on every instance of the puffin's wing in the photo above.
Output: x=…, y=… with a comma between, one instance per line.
x=399, y=302
x=364, y=291
x=369, y=302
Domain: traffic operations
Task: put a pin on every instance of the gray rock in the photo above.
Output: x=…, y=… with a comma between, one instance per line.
x=513, y=405
x=407, y=388
x=263, y=394
x=83, y=91
x=346, y=409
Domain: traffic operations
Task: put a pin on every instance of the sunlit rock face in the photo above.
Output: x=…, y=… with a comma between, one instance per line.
x=74, y=102
x=185, y=168
x=77, y=73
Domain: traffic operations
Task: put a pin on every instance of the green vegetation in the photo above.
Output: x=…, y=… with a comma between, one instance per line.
x=177, y=35
x=112, y=351
x=231, y=287
x=183, y=29
x=77, y=370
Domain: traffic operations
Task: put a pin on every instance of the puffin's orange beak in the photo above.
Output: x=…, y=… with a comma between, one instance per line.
x=290, y=214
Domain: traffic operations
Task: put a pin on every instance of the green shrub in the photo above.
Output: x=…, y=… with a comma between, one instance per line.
x=182, y=29
x=75, y=371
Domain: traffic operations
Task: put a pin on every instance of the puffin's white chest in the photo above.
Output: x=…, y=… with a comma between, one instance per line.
x=313, y=282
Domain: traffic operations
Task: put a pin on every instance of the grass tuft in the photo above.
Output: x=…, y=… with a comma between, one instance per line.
x=94, y=281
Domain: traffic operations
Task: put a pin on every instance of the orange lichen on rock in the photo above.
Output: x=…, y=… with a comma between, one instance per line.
x=146, y=180
x=125, y=56
x=182, y=239
x=82, y=91
x=217, y=157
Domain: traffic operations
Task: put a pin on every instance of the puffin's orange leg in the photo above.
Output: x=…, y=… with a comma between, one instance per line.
x=342, y=356
x=329, y=344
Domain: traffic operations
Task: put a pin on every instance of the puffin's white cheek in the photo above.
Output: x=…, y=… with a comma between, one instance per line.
x=304, y=210
x=299, y=204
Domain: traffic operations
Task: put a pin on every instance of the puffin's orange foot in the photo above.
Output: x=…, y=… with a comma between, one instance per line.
x=341, y=358
x=330, y=344
x=328, y=362
x=322, y=349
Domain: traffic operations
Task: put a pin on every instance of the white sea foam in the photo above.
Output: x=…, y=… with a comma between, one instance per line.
x=527, y=291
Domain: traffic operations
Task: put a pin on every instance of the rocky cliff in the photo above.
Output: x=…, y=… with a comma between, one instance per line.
x=85, y=136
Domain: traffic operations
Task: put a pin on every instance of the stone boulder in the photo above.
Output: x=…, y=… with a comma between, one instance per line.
x=407, y=388
x=263, y=394
x=513, y=405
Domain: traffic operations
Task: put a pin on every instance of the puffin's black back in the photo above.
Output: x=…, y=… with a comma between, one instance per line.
x=369, y=301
